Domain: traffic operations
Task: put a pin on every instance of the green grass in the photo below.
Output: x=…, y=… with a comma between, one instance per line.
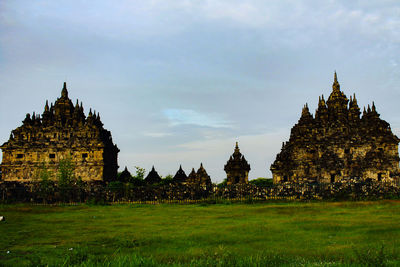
x=290, y=234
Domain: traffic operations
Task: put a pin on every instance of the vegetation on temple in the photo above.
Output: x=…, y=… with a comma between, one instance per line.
x=337, y=143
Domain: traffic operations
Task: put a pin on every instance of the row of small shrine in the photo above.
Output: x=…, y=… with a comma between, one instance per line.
x=237, y=171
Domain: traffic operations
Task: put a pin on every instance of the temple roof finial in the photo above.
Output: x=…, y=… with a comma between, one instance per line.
x=305, y=111
x=46, y=107
x=373, y=107
x=64, y=92
x=335, y=85
x=237, y=148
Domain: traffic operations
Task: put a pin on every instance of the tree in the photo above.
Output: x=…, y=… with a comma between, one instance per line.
x=169, y=179
x=66, y=178
x=46, y=186
x=223, y=183
x=261, y=182
x=138, y=178
x=140, y=172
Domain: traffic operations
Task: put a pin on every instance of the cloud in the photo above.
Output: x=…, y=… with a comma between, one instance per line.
x=157, y=135
x=192, y=117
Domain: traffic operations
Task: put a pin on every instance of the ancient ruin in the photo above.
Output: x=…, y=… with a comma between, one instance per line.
x=237, y=169
x=199, y=178
x=152, y=177
x=125, y=176
x=192, y=178
x=63, y=131
x=203, y=179
x=180, y=176
x=337, y=143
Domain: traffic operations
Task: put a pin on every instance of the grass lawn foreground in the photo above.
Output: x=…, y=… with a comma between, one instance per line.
x=285, y=233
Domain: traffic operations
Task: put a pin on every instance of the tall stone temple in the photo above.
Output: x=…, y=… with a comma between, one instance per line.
x=337, y=143
x=62, y=131
x=237, y=169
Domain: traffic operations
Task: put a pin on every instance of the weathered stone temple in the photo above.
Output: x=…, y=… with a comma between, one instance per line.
x=63, y=131
x=237, y=169
x=337, y=143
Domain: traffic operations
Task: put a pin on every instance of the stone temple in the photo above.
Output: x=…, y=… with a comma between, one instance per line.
x=237, y=169
x=63, y=131
x=337, y=143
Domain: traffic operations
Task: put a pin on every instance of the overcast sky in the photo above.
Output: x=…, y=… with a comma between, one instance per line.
x=179, y=81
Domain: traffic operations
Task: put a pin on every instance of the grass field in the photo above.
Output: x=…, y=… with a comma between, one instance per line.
x=291, y=234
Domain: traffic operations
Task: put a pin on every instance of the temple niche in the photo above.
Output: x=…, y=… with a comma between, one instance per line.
x=237, y=169
x=337, y=143
x=62, y=131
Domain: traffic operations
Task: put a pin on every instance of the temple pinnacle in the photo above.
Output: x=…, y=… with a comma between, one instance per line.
x=64, y=92
x=237, y=148
x=335, y=85
x=46, y=107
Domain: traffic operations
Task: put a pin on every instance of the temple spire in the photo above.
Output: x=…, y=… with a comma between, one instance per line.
x=335, y=85
x=64, y=92
x=237, y=148
x=305, y=111
x=46, y=107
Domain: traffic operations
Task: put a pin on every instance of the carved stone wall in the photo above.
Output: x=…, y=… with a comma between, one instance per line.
x=63, y=131
x=337, y=143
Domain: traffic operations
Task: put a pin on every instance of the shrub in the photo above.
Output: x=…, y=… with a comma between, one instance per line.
x=261, y=182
